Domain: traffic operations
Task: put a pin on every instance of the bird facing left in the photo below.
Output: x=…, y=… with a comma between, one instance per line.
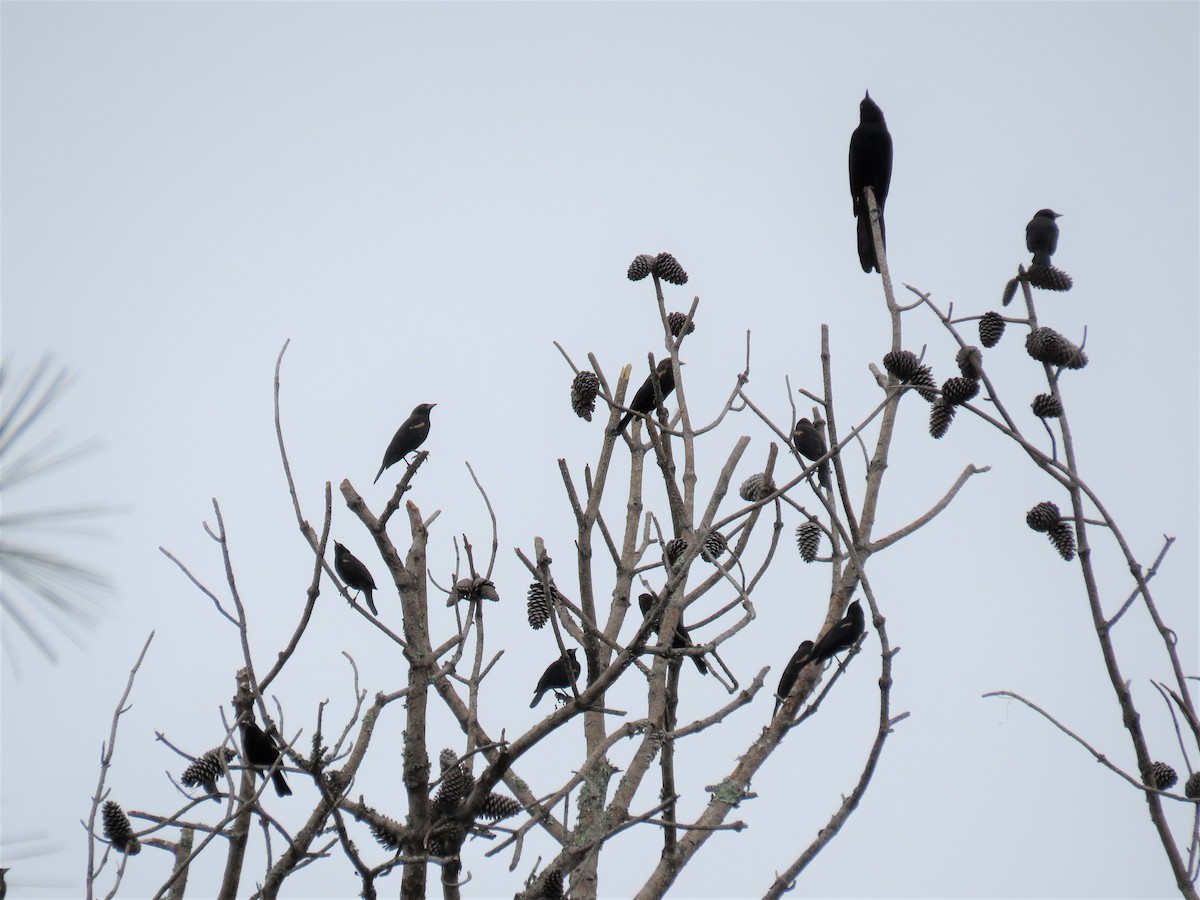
x=408, y=438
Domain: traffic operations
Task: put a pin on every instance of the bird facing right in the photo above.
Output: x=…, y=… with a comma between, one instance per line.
x=1041, y=236
x=354, y=573
x=644, y=401
x=809, y=444
x=408, y=438
x=842, y=635
x=559, y=675
x=682, y=638
x=870, y=166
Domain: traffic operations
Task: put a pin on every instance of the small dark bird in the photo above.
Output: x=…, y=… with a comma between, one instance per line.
x=644, y=401
x=262, y=753
x=559, y=675
x=354, y=573
x=809, y=444
x=870, y=166
x=682, y=638
x=411, y=435
x=1041, y=236
x=842, y=635
x=791, y=672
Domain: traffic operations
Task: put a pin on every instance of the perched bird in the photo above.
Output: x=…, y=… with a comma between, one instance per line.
x=559, y=675
x=682, y=638
x=870, y=166
x=354, y=573
x=262, y=753
x=644, y=400
x=1041, y=236
x=809, y=444
x=791, y=672
x=842, y=635
x=411, y=435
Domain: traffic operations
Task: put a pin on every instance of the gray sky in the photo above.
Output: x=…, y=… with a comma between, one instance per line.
x=422, y=198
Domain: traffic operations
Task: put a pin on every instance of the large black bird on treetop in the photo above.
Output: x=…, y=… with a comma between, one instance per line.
x=843, y=634
x=559, y=675
x=808, y=443
x=681, y=640
x=411, y=435
x=870, y=166
x=1041, y=236
x=262, y=753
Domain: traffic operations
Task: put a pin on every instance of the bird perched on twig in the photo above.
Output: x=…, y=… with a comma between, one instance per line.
x=261, y=753
x=791, y=672
x=354, y=573
x=408, y=438
x=1041, y=236
x=682, y=638
x=842, y=635
x=644, y=400
x=559, y=675
x=870, y=166
x=808, y=443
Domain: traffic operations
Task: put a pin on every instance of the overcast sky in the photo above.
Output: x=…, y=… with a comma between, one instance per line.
x=422, y=197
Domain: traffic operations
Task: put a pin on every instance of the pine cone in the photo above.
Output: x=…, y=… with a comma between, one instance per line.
x=457, y=782
x=477, y=588
x=668, y=269
x=498, y=806
x=902, y=364
x=1191, y=790
x=1062, y=536
x=1048, y=346
x=1161, y=776
x=808, y=540
x=970, y=363
x=676, y=319
x=584, y=389
x=675, y=549
x=1044, y=516
x=204, y=771
x=957, y=391
x=756, y=487
x=922, y=379
x=941, y=414
x=1046, y=406
x=552, y=889
x=991, y=329
x=387, y=832
x=1049, y=278
x=538, y=606
x=714, y=545
x=118, y=830
x=1010, y=291
x=642, y=265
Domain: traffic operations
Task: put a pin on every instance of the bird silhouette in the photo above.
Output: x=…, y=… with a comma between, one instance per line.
x=808, y=443
x=791, y=672
x=682, y=638
x=354, y=573
x=842, y=635
x=644, y=400
x=408, y=438
x=559, y=675
x=870, y=166
x=1041, y=236
x=262, y=753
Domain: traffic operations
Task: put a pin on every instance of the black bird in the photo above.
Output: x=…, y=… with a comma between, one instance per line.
x=556, y=677
x=354, y=573
x=809, y=444
x=870, y=166
x=644, y=401
x=791, y=672
x=1041, y=236
x=262, y=753
x=411, y=435
x=682, y=638
x=842, y=635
